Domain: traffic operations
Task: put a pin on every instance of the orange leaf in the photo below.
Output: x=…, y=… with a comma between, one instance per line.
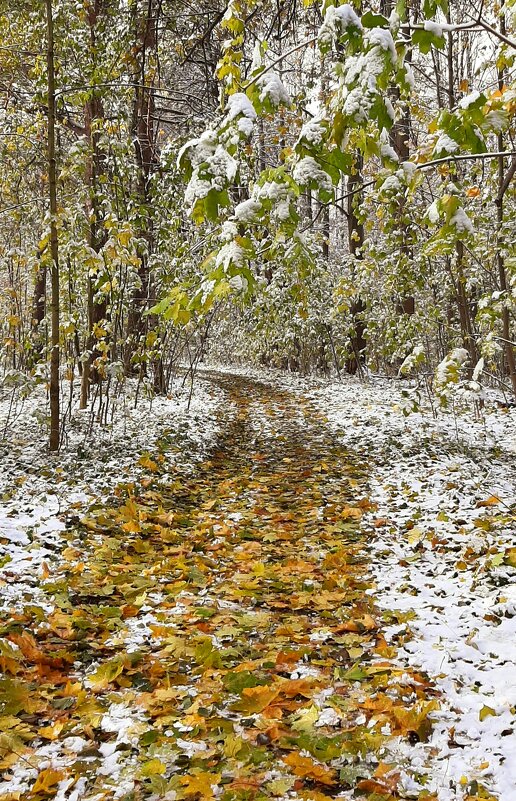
x=351, y=513
x=380, y=522
x=288, y=657
x=306, y=768
x=491, y=501
x=255, y=699
x=293, y=687
x=372, y=786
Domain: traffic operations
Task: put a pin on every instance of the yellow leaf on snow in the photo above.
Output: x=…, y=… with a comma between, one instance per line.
x=51, y=732
x=307, y=719
x=201, y=783
x=47, y=780
x=132, y=527
x=486, y=712
x=148, y=463
x=416, y=718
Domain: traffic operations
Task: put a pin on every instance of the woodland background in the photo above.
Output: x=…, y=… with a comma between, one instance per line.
x=343, y=198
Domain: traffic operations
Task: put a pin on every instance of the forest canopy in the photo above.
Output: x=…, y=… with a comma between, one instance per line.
x=320, y=187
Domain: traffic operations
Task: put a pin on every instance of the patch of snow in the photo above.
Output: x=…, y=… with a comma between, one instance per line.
x=445, y=144
x=462, y=222
x=272, y=88
x=382, y=38
x=328, y=717
x=469, y=100
x=313, y=133
x=336, y=21
x=308, y=171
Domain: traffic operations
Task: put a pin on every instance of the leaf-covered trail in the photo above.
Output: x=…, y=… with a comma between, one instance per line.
x=212, y=634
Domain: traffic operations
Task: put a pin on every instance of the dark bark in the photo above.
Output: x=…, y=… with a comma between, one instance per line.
x=504, y=180
x=356, y=244
x=54, y=243
x=144, y=135
x=93, y=116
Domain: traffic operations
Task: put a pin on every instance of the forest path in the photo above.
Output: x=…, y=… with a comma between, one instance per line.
x=212, y=634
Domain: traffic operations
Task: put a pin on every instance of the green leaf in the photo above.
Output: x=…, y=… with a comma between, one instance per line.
x=160, y=307
x=371, y=20
x=238, y=681
x=380, y=113
x=149, y=737
x=425, y=39
x=430, y=7
x=206, y=655
x=355, y=673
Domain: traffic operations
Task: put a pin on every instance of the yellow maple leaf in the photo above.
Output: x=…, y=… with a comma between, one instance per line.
x=154, y=767
x=201, y=783
x=47, y=780
x=51, y=732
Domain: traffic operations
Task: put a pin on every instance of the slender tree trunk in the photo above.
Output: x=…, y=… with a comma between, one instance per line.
x=399, y=136
x=93, y=113
x=96, y=311
x=39, y=300
x=504, y=179
x=144, y=134
x=467, y=323
x=356, y=244
x=54, y=244
x=466, y=320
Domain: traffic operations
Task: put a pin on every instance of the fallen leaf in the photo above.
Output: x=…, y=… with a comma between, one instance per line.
x=306, y=768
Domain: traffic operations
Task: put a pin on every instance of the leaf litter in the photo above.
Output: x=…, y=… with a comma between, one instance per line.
x=211, y=633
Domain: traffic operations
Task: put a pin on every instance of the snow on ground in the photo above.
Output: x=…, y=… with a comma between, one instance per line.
x=444, y=527
x=39, y=492
x=37, y=488
x=441, y=540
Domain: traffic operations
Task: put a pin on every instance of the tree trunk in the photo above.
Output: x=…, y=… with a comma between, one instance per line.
x=39, y=302
x=54, y=244
x=93, y=113
x=504, y=179
x=467, y=324
x=144, y=135
x=399, y=136
x=356, y=243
